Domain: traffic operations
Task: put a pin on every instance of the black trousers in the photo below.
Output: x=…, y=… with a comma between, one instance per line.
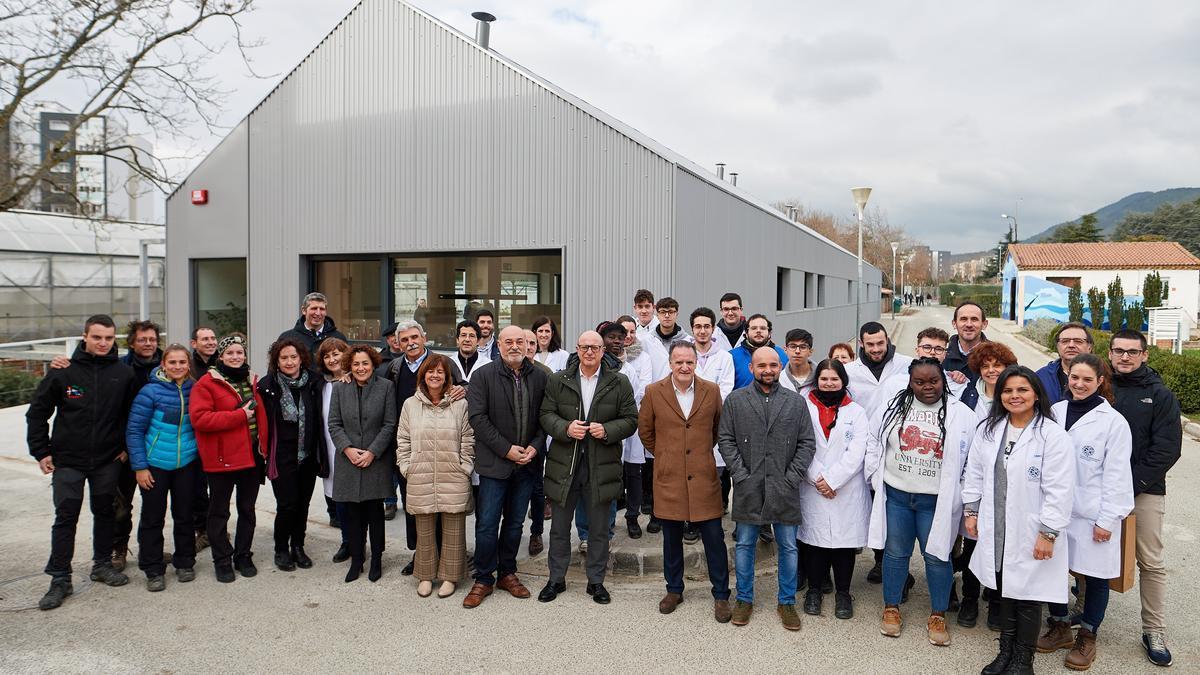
x=67, y=486
x=293, y=489
x=970, y=584
x=410, y=523
x=180, y=486
x=537, y=500
x=200, y=501
x=123, y=507
x=818, y=560
x=1020, y=617
x=363, y=518
x=633, y=490
x=648, y=482
x=726, y=486
x=221, y=487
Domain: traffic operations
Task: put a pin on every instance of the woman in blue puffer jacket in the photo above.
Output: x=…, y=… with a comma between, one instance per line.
x=162, y=453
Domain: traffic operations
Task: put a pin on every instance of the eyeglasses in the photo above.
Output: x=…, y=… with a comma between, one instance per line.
x=668, y=312
x=795, y=347
x=932, y=349
x=1072, y=341
x=1131, y=353
x=589, y=348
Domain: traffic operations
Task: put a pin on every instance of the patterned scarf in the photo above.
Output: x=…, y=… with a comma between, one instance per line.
x=292, y=406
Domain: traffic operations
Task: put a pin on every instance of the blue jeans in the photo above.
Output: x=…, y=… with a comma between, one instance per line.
x=747, y=541
x=909, y=517
x=581, y=520
x=496, y=544
x=1095, y=604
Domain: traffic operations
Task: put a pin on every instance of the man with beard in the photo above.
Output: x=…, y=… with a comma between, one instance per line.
x=758, y=334
x=733, y=324
x=486, y=321
x=969, y=324
x=1072, y=340
x=877, y=361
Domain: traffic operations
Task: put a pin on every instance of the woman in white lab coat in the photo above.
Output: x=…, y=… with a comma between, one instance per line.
x=1017, y=499
x=549, y=345
x=916, y=447
x=1103, y=497
x=835, y=499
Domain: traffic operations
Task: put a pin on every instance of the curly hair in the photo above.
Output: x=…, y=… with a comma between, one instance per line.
x=990, y=351
x=351, y=350
x=328, y=346
x=277, y=348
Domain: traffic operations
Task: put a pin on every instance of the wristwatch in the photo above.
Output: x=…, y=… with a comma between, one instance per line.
x=1049, y=536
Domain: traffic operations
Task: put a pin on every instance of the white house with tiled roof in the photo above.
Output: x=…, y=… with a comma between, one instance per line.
x=1038, y=277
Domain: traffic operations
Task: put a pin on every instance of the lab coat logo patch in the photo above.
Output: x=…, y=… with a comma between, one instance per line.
x=1088, y=453
x=1034, y=473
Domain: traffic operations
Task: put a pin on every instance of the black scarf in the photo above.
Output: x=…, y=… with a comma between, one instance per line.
x=830, y=399
x=238, y=374
x=876, y=368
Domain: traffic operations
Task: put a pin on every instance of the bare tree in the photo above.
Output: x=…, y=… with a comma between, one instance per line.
x=137, y=63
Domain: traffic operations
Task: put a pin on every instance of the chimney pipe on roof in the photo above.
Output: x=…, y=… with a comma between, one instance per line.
x=483, y=28
x=733, y=177
x=721, y=170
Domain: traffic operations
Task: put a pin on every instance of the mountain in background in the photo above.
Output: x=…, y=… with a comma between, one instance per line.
x=1138, y=202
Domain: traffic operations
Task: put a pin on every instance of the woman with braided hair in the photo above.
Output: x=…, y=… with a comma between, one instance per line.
x=916, y=449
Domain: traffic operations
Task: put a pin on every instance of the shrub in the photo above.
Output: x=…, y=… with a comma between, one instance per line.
x=990, y=303
x=1135, y=316
x=1041, y=331
x=1075, y=305
x=1181, y=374
x=1096, y=302
x=16, y=386
x=1116, y=305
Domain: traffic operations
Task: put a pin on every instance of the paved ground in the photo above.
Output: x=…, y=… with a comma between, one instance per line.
x=309, y=620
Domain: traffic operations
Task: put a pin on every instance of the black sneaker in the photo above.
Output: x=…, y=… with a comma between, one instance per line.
x=968, y=612
x=156, y=583
x=59, y=590
x=875, y=576
x=812, y=602
x=635, y=530
x=108, y=576
x=654, y=527
x=283, y=561
x=246, y=568
x=225, y=573
x=843, y=606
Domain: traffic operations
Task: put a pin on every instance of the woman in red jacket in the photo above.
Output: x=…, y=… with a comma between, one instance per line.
x=231, y=429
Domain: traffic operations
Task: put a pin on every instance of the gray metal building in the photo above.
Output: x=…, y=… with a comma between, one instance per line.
x=401, y=161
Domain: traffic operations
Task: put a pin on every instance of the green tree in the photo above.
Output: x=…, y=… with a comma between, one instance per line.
x=1084, y=231
x=1169, y=222
x=1116, y=304
x=1096, y=303
x=1075, y=305
x=1135, y=315
x=1154, y=291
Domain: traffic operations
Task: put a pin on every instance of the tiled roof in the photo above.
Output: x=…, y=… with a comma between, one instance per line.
x=1105, y=255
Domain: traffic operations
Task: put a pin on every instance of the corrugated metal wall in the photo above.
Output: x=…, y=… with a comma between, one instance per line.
x=725, y=244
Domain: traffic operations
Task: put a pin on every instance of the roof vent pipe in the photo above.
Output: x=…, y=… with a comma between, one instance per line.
x=733, y=177
x=721, y=170
x=483, y=27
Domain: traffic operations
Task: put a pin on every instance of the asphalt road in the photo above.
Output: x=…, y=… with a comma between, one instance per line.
x=310, y=621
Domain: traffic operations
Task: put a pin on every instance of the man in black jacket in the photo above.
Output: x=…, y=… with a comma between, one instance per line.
x=90, y=402
x=504, y=400
x=969, y=324
x=1153, y=415
x=314, y=326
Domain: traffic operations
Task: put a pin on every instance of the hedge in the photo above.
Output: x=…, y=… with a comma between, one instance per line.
x=989, y=303
x=16, y=386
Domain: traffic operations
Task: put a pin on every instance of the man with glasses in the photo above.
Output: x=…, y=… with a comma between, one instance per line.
x=1153, y=415
x=1072, y=340
x=733, y=324
x=799, y=375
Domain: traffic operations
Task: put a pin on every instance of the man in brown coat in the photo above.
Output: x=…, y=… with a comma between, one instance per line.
x=678, y=423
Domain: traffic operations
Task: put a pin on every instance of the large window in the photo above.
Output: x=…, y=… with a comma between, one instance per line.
x=219, y=295
x=355, y=296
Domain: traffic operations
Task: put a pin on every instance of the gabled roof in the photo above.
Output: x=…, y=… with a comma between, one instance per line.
x=1104, y=255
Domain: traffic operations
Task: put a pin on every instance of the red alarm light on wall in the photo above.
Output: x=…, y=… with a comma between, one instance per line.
x=199, y=197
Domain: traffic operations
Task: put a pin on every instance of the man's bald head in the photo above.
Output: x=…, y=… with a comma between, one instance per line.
x=763, y=354
x=590, y=349
x=765, y=366
x=511, y=342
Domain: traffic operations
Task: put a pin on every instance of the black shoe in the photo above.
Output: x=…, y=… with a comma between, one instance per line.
x=355, y=570
x=225, y=574
x=376, y=570
x=654, y=527
x=301, y=558
x=551, y=591
x=408, y=569
x=968, y=612
x=599, y=593
x=283, y=560
x=59, y=590
x=812, y=603
x=246, y=568
x=908, y=584
x=766, y=536
x=342, y=555
x=826, y=587
x=389, y=511
x=843, y=606
x=647, y=509
x=635, y=530
x=993, y=617
x=109, y=576
x=875, y=576
x=691, y=535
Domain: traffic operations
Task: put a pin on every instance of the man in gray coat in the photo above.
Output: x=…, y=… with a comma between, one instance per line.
x=766, y=438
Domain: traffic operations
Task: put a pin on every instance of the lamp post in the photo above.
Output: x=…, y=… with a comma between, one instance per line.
x=1013, y=230
x=861, y=195
x=902, y=261
x=895, y=247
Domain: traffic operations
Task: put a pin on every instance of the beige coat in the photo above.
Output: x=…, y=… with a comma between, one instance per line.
x=435, y=452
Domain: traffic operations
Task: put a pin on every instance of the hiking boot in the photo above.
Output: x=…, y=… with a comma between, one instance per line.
x=185, y=574
x=721, y=611
x=1057, y=636
x=1084, y=652
x=891, y=623
x=119, y=557
x=938, y=635
x=246, y=567
x=59, y=590
x=156, y=583
x=108, y=576
x=742, y=612
x=791, y=620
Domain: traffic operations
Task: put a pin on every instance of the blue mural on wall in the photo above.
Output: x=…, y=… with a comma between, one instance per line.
x=1046, y=299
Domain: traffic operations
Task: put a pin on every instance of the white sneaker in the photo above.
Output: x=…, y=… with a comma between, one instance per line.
x=583, y=546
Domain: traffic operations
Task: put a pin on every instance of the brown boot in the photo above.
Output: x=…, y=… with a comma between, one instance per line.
x=721, y=611
x=1084, y=652
x=742, y=612
x=118, y=559
x=1057, y=636
x=669, y=602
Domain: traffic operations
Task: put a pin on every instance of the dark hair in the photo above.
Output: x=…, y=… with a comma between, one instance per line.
x=376, y=359
x=1041, y=406
x=643, y=295
x=467, y=324
x=277, y=348
x=702, y=311
x=901, y=404
x=730, y=297
x=1074, y=324
x=435, y=360
x=625, y=318
x=871, y=328
x=667, y=303
x=1128, y=334
x=329, y=345
x=136, y=327
x=972, y=303
x=841, y=345
x=484, y=311
x=555, y=340
x=935, y=333
x=607, y=327
x=679, y=344
x=1101, y=369
x=990, y=351
x=799, y=335
x=837, y=367
x=98, y=320
x=197, y=329
x=770, y=327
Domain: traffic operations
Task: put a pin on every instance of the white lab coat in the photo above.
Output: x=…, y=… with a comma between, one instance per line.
x=638, y=373
x=947, y=514
x=718, y=368
x=660, y=366
x=330, y=448
x=841, y=522
x=555, y=360
x=870, y=393
x=1103, y=488
x=479, y=363
x=1041, y=483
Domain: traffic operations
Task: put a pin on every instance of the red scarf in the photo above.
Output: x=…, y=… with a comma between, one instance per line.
x=827, y=414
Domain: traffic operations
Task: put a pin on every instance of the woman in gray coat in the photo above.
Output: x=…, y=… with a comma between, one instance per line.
x=362, y=423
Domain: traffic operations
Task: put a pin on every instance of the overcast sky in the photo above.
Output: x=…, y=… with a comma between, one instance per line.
x=951, y=111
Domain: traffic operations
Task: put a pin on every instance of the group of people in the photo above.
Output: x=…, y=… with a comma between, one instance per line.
x=1015, y=479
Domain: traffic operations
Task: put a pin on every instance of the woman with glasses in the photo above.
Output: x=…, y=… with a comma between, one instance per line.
x=1071, y=340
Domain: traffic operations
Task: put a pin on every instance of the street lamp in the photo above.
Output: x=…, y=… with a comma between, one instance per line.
x=902, y=261
x=1014, y=224
x=861, y=195
x=895, y=246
